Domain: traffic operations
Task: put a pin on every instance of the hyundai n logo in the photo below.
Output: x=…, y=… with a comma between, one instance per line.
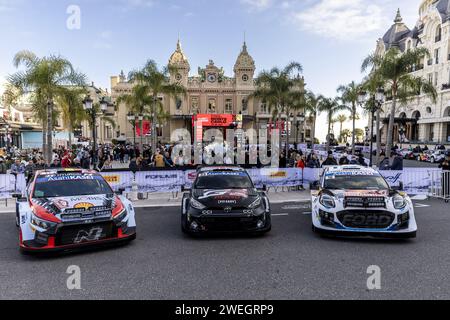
x=92, y=235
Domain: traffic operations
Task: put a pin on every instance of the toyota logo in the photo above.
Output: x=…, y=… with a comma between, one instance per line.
x=227, y=209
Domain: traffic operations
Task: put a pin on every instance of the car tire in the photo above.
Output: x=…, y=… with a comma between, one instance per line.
x=184, y=224
x=432, y=160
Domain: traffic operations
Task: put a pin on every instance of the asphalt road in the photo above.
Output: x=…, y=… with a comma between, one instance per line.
x=289, y=263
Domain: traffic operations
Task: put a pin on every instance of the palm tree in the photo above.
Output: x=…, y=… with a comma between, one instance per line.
x=359, y=133
x=312, y=107
x=371, y=85
x=394, y=70
x=155, y=82
x=46, y=79
x=72, y=111
x=349, y=96
x=280, y=89
x=345, y=134
x=341, y=119
x=138, y=102
x=330, y=107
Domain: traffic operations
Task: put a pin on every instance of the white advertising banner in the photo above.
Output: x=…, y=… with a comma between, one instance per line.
x=119, y=180
x=159, y=181
x=415, y=180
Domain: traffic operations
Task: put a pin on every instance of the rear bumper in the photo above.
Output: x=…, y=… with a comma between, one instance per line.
x=51, y=247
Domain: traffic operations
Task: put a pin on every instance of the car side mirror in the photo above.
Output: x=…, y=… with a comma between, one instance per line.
x=185, y=189
x=315, y=185
x=19, y=197
x=400, y=187
x=263, y=188
x=120, y=191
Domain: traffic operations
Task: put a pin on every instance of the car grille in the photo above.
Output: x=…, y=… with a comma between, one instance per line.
x=366, y=219
x=228, y=224
x=84, y=233
x=365, y=202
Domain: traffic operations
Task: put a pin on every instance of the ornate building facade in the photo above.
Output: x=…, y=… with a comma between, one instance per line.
x=213, y=100
x=423, y=120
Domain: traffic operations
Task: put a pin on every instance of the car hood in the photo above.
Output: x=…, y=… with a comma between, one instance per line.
x=59, y=205
x=222, y=198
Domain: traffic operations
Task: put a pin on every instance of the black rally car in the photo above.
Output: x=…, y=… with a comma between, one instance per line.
x=224, y=199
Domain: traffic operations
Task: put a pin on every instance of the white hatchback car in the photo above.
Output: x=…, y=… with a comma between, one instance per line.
x=357, y=201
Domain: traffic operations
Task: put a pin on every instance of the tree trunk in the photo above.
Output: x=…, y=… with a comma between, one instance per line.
x=288, y=133
x=389, y=142
x=354, y=128
x=154, y=133
x=44, y=139
x=49, y=131
x=377, y=159
x=141, y=140
x=313, y=132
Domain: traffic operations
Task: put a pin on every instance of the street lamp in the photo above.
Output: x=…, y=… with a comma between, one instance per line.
x=401, y=132
x=132, y=119
x=300, y=120
x=88, y=105
x=7, y=137
x=378, y=100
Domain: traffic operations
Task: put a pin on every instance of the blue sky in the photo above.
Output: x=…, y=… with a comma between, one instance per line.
x=329, y=37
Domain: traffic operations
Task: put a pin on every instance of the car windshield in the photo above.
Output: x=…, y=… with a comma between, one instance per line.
x=223, y=180
x=355, y=182
x=65, y=186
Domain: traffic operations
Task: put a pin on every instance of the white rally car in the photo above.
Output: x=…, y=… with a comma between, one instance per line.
x=69, y=209
x=357, y=201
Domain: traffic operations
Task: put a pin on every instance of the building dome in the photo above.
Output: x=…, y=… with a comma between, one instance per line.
x=244, y=61
x=178, y=58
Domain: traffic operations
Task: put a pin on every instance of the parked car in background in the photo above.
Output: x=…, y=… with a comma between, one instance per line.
x=437, y=156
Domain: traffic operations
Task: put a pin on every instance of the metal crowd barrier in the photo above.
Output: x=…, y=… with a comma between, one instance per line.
x=440, y=185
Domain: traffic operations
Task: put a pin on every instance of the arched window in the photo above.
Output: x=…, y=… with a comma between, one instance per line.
x=438, y=33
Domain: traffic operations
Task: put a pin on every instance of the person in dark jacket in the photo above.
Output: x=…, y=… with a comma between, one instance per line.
x=344, y=160
x=384, y=164
x=313, y=162
x=361, y=160
x=397, y=162
x=330, y=160
x=3, y=167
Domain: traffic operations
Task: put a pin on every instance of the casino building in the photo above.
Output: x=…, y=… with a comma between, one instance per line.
x=213, y=100
x=422, y=120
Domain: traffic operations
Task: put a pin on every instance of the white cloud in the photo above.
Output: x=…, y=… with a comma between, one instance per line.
x=257, y=5
x=139, y=3
x=341, y=19
x=103, y=40
x=8, y=5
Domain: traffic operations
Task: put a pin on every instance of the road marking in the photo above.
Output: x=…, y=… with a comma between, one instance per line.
x=420, y=205
x=419, y=197
x=296, y=207
x=279, y=214
x=307, y=213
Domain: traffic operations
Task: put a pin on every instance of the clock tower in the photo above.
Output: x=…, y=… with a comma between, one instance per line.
x=179, y=66
x=244, y=69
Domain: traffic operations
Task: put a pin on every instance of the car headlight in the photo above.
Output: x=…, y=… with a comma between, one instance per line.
x=196, y=205
x=121, y=216
x=399, y=202
x=327, y=201
x=255, y=204
x=42, y=224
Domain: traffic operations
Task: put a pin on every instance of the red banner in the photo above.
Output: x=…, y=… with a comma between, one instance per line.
x=146, y=128
x=215, y=120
